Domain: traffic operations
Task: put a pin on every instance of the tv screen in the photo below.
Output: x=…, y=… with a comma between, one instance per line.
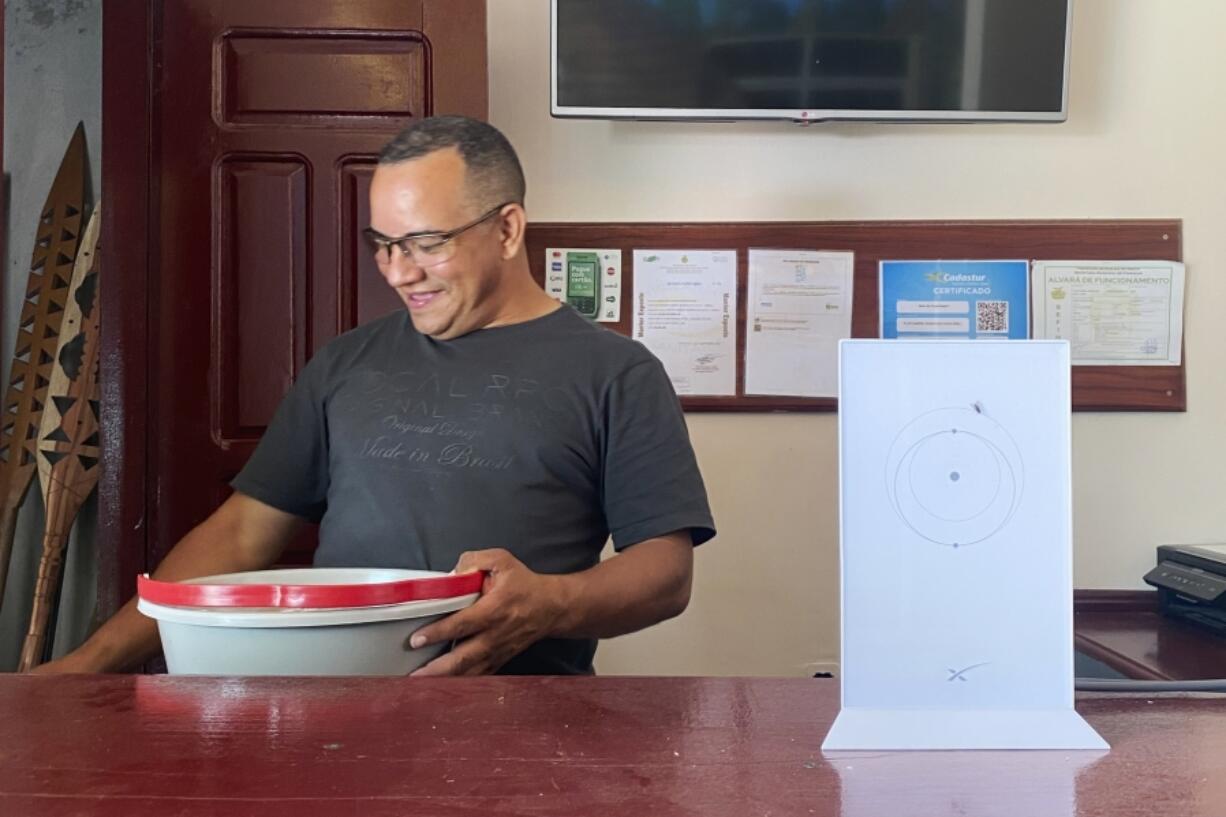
x=811, y=59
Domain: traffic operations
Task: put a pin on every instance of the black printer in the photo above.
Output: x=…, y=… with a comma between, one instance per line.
x=1191, y=582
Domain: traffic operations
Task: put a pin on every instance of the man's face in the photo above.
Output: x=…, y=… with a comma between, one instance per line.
x=428, y=194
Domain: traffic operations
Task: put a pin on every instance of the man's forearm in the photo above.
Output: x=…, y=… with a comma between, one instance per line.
x=130, y=638
x=229, y=541
x=641, y=586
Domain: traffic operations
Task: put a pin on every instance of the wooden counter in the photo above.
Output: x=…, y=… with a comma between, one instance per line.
x=1124, y=630
x=580, y=747
x=1151, y=646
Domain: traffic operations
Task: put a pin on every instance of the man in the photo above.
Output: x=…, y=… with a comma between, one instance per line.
x=486, y=427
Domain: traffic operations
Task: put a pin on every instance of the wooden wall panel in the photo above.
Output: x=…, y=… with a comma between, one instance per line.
x=1095, y=388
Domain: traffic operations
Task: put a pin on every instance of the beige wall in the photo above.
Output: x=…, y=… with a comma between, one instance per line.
x=1145, y=138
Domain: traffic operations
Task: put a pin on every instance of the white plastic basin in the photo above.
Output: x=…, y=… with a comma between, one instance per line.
x=356, y=639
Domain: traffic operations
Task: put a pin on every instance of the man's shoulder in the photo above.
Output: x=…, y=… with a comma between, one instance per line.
x=371, y=333
x=392, y=324
x=580, y=336
x=365, y=345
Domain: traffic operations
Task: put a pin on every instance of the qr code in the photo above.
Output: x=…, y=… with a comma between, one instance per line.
x=991, y=316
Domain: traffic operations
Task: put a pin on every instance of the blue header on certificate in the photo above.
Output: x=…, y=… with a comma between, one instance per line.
x=955, y=299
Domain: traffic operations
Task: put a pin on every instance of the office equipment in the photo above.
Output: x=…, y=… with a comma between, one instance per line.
x=1191, y=582
x=956, y=547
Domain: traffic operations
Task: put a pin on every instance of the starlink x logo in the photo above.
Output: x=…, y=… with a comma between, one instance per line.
x=960, y=674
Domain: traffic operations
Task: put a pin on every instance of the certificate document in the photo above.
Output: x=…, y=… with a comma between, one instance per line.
x=685, y=313
x=955, y=299
x=799, y=307
x=1113, y=313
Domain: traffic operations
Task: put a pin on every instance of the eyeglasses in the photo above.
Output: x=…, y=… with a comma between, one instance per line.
x=426, y=249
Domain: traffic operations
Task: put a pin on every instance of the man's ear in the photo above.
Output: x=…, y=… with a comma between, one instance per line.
x=512, y=225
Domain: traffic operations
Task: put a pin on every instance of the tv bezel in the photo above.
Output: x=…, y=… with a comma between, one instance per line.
x=799, y=115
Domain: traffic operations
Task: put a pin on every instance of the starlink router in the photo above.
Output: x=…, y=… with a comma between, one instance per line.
x=956, y=547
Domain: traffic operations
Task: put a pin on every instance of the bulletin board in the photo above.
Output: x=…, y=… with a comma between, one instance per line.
x=1095, y=388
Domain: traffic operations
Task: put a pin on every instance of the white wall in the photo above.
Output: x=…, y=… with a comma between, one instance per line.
x=1144, y=139
x=52, y=80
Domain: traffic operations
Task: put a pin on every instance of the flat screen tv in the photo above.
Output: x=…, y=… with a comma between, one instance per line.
x=811, y=60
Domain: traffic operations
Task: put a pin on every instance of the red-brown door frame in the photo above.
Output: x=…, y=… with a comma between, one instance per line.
x=129, y=243
x=129, y=233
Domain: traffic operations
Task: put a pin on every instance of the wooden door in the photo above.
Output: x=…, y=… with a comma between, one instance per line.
x=261, y=123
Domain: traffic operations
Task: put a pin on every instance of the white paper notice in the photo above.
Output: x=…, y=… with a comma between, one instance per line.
x=685, y=313
x=1113, y=313
x=799, y=307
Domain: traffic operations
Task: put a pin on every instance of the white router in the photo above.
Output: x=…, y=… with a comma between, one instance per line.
x=982, y=784
x=956, y=547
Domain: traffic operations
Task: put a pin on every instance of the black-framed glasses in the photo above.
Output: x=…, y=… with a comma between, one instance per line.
x=426, y=249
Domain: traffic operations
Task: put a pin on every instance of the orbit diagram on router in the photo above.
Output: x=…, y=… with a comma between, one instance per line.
x=954, y=476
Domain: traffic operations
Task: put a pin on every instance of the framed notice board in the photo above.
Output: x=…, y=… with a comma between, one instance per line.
x=1095, y=388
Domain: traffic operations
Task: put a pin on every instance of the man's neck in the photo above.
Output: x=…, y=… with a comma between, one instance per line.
x=531, y=305
x=522, y=298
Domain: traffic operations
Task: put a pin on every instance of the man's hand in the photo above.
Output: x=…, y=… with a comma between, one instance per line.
x=517, y=608
x=643, y=584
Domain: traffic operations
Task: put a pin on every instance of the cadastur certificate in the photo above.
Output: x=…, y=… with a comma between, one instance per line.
x=955, y=299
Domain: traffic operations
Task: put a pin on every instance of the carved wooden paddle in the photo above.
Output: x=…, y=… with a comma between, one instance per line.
x=55, y=251
x=68, y=438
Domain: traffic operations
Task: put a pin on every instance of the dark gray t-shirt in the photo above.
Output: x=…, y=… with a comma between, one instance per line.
x=542, y=437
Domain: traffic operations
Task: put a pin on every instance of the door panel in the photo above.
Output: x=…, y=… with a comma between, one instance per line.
x=364, y=295
x=267, y=118
x=322, y=78
x=260, y=281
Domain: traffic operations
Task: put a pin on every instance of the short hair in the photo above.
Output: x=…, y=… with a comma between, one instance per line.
x=493, y=169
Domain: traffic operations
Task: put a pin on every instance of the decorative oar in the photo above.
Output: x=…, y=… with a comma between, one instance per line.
x=68, y=439
x=55, y=251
